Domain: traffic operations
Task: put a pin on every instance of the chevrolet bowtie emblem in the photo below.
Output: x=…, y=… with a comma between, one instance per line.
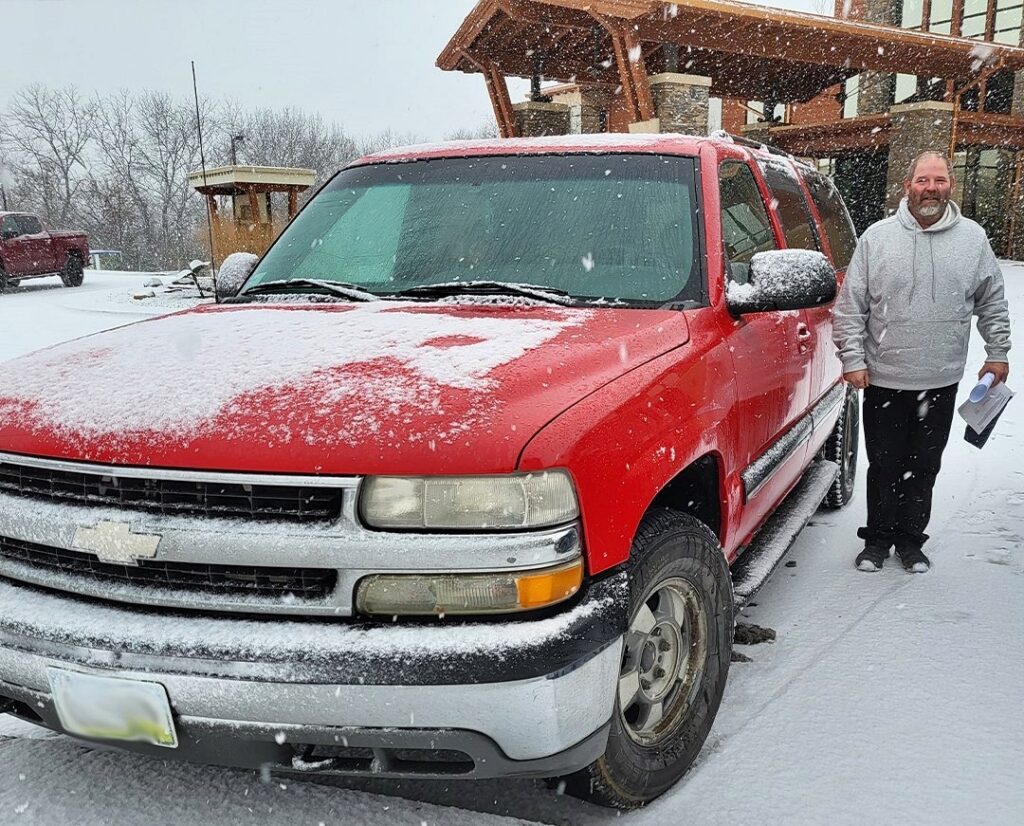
x=115, y=542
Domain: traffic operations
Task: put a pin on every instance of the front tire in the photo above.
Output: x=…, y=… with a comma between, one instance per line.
x=73, y=273
x=841, y=448
x=675, y=662
x=5, y=282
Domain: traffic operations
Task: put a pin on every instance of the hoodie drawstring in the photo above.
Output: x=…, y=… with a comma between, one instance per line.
x=913, y=274
x=931, y=254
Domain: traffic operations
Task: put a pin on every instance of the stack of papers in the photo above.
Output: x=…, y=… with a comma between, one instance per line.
x=981, y=416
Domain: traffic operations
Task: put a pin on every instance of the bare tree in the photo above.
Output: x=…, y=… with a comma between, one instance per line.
x=48, y=133
x=487, y=129
x=117, y=166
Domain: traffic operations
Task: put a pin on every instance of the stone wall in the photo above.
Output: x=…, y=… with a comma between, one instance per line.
x=536, y=120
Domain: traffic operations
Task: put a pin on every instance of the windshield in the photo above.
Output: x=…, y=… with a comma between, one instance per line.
x=594, y=226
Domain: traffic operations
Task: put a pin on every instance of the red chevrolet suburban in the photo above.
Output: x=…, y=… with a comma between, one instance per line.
x=29, y=250
x=463, y=479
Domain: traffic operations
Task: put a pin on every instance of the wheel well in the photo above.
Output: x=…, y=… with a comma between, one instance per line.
x=696, y=491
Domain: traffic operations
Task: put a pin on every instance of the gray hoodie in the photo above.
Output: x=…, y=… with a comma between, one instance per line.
x=904, y=310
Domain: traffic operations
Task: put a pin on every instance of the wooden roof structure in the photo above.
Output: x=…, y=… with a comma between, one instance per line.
x=749, y=52
x=237, y=180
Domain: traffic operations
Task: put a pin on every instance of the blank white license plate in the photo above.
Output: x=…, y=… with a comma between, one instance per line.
x=110, y=708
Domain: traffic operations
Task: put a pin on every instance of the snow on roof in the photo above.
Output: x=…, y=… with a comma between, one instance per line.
x=599, y=142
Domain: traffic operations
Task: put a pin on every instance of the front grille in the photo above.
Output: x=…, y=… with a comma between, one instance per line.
x=169, y=496
x=195, y=578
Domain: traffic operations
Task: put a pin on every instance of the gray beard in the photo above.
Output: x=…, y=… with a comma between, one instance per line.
x=931, y=211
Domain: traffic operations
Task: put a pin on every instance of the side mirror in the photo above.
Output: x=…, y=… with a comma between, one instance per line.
x=783, y=280
x=233, y=273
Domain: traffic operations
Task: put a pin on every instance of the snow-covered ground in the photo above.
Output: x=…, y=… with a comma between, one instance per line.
x=886, y=698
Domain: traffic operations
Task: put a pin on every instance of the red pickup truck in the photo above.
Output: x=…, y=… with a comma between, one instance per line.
x=465, y=479
x=29, y=250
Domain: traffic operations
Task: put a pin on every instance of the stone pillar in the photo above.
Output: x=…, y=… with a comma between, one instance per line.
x=681, y=102
x=536, y=120
x=914, y=128
x=876, y=90
x=595, y=103
x=756, y=132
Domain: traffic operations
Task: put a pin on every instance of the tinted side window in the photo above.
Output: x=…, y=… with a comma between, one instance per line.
x=745, y=225
x=797, y=223
x=29, y=224
x=842, y=237
x=9, y=227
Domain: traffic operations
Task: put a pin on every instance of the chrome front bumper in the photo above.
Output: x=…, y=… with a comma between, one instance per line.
x=528, y=698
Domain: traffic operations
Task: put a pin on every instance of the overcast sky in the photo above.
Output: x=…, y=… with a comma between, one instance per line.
x=368, y=64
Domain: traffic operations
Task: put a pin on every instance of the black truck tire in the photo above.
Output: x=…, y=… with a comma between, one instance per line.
x=674, y=666
x=842, y=447
x=73, y=273
x=4, y=281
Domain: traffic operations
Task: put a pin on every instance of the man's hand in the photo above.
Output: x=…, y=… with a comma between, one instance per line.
x=999, y=368
x=858, y=378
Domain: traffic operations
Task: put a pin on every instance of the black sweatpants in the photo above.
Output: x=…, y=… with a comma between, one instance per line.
x=905, y=432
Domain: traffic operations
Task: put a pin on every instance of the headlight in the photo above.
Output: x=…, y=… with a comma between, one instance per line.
x=497, y=593
x=522, y=500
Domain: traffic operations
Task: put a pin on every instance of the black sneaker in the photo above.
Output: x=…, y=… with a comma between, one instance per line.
x=913, y=559
x=871, y=558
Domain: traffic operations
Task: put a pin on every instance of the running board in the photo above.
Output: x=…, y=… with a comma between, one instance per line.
x=763, y=555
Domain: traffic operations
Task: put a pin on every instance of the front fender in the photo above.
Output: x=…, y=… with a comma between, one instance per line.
x=627, y=441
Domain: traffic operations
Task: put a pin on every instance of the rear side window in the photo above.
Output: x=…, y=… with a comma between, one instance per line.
x=842, y=237
x=9, y=227
x=745, y=226
x=797, y=223
x=29, y=224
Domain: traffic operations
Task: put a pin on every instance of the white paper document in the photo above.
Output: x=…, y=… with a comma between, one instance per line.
x=979, y=415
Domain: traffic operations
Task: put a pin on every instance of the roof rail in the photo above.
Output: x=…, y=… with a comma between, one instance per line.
x=743, y=141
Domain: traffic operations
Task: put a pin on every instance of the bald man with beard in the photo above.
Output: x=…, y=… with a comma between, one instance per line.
x=902, y=323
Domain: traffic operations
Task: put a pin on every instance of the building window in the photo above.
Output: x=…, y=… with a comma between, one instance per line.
x=941, y=20
x=852, y=95
x=1008, y=21
x=973, y=24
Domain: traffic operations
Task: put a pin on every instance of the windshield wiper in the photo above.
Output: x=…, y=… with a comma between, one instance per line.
x=316, y=285
x=549, y=294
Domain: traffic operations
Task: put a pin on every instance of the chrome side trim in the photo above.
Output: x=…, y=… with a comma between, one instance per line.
x=280, y=480
x=823, y=411
x=762, y=469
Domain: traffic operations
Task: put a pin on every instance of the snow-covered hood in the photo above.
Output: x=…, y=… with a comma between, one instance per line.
x=338, y=389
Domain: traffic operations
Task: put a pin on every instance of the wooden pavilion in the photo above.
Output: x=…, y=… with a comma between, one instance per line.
x=245, y=220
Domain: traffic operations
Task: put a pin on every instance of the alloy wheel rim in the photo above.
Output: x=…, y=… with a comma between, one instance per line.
x=662, y=662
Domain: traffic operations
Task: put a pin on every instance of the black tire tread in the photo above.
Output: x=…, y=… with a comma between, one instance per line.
x=596, y=782
x=841, y=492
